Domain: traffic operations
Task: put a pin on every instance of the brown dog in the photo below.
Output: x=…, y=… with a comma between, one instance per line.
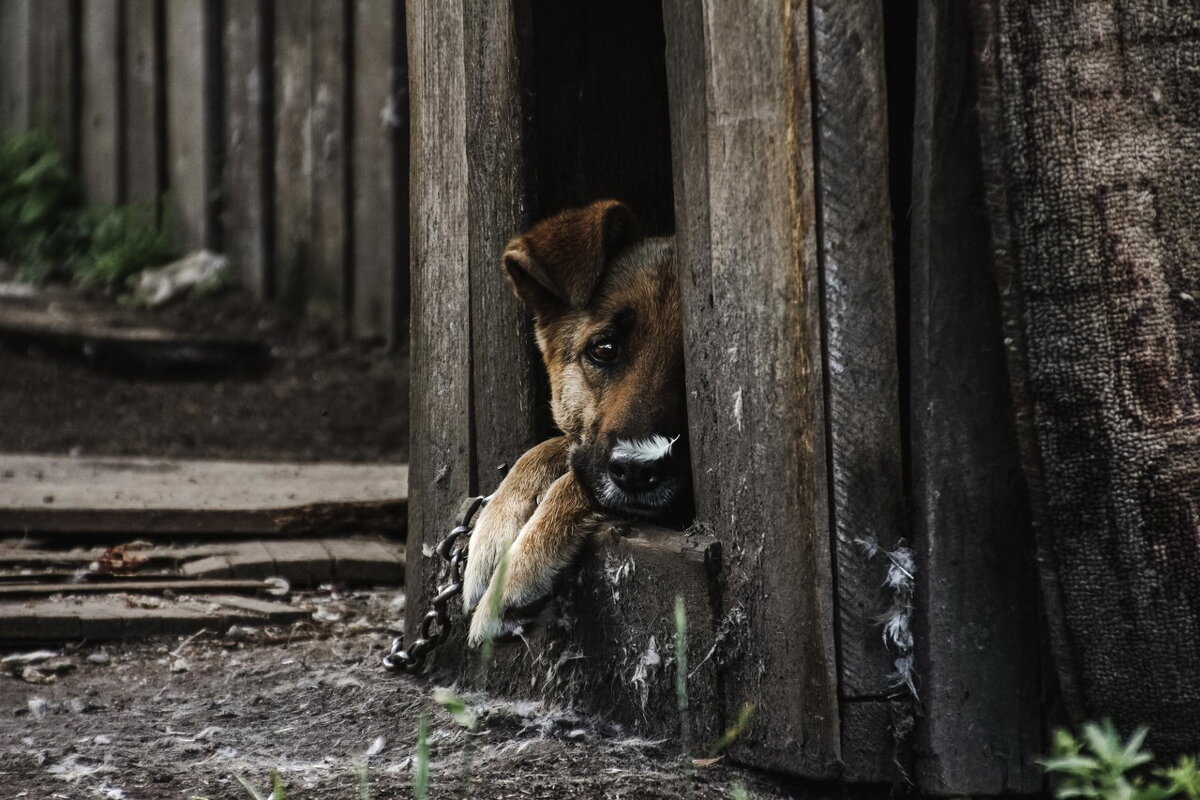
x=607, y=316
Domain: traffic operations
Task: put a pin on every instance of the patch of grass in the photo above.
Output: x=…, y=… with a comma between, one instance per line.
x=276, y=787
x=421, y=761
x=1100, y=766
x=731, y=734
x=48, y=232
x=681, y=690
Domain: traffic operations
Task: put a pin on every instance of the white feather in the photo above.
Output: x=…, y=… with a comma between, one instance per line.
x=654, y=448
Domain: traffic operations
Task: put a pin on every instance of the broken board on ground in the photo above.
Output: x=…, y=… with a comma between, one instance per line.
x=133, y=496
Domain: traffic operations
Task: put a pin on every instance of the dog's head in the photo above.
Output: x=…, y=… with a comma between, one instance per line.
x=607, y=315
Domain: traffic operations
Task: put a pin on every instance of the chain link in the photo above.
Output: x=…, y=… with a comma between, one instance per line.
x=434, y=629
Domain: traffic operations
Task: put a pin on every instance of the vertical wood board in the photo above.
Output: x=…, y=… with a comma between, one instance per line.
x=977, y=617
x=100, y=113
x=440, y=407
x=143, y=134
x=379, y=121
x=747, y=241
x=192, y=109
x=293, y=78
x=328, y=291
x=505, y=368
x=247, y=166
x=862, y=389
x=15, y=33
x=54, y=72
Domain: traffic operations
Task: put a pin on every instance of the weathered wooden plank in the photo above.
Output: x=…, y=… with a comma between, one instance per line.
x=98, y=619
x=441, y=453
x=977, y=618
x=100, y=114
x=293, y=77
x=247, y=79
x=328, y=283
x=739, y=82
x=143, y=134
x=54, y=72
x=142, y=496
x=861, y=373
x=15, y=34
x=191, y=48
x=507, y=412
x=380, y=169
x=147, y=586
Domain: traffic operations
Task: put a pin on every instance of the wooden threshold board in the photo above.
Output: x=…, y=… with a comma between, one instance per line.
x=146, y=496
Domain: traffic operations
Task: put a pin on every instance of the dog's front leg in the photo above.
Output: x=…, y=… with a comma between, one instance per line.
x=547, y=545
x=507, y=512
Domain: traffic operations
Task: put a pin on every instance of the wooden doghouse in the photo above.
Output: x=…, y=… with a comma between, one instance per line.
x=846, y=390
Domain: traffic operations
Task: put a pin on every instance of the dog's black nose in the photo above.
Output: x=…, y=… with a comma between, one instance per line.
x=636, y=475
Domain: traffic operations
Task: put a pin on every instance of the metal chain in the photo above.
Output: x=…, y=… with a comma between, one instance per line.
x=435, y=625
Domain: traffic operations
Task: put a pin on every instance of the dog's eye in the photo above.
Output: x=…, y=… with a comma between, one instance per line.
x=602, y=351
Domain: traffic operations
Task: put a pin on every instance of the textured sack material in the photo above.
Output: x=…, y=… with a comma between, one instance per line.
x=1091, y=118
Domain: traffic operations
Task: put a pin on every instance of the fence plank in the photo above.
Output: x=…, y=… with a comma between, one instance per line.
x=293, y=150
x=440, y=457
x=54, y=72
x=15, y=32
x=380, y=125
x=977, y=620
x=327, y=299
x=100, y=113
x=506, y=370
x=143, y=133
x=247, y=76
x=192, y=106
x=746, y=234
x=861, y=372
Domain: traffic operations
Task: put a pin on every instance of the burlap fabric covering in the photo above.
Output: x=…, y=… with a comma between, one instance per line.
x=1091, y=117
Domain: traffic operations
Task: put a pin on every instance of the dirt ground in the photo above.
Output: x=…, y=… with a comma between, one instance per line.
x=183, y=718
x=318, y=400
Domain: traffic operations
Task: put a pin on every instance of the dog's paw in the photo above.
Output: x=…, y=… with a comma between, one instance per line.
x=547, y=545
x=494, y=533
x=508, y=610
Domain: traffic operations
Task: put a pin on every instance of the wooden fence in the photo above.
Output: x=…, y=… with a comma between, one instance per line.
x=277, y=132
x=846, y=381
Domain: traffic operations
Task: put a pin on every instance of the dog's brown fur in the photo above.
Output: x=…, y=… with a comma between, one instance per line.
x=593, y=287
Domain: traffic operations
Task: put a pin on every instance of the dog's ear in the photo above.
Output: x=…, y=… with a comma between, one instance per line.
x=558, y=263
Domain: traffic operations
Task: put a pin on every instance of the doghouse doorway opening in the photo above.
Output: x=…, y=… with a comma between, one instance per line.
x=598, y=117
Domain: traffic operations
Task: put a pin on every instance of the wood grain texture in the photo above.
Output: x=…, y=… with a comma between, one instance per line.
x=14, y=64
x=192, y=39
x=440, y=397
x=143, y=134
x=246, y=179
x=862, y=378
x=328, y=290
x=506, y=369
x=380, y=124
x=54, y=72
x=977, y=617
x=740, y=95
x=293, y=148
x=100, y=113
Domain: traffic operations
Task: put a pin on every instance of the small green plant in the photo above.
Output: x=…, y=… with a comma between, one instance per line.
x=1102, y=767
x=48, y=232
x=124, y=242
x=421, y=761
x=681, y=664
x=731, y=734
x=276, y=787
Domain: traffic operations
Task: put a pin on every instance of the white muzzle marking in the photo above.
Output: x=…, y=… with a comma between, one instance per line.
x=655, y=448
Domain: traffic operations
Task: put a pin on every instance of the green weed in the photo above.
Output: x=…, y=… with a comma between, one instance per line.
x=48, y=232
x=276, y=787
x=421, y=762
x=1103, y=767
